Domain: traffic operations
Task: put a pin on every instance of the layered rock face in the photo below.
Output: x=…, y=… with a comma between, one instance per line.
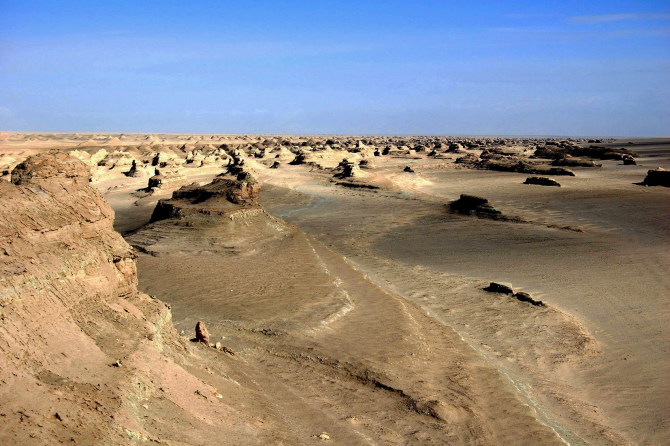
x=84, y=357
x=60, y=260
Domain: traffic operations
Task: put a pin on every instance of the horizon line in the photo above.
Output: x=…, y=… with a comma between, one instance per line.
x=420, y=135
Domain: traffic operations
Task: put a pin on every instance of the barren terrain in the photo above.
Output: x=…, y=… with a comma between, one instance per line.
x=345, y=297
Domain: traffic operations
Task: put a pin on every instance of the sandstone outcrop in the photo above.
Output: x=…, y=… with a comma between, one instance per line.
x=201, y=333
x=556, y=152
x=299, y=159
x=495, y=287
x=226, y=205
x=346, y=169
x=223, y=195
x=505, y=163
x=166, y=177
x=575, y=162
x=85, y=358
x=542, y=181
x=657, y=177
x=473, y=205
x=525, y=297
x=53, y=166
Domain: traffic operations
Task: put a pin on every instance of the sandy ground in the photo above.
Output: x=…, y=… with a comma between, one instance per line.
x=367, y=319
x=599, y=357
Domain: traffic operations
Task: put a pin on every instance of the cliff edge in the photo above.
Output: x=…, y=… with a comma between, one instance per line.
x=84, y=357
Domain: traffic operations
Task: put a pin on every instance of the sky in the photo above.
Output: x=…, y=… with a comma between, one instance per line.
x=571, y=67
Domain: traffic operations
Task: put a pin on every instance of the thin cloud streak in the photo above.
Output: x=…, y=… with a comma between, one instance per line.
x=605, y=18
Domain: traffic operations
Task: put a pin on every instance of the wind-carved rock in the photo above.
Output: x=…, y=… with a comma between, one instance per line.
x=77, y=338
x=480, y=207
x=542, y=181
x=51, y=166
x=300, y=158
x=222, y=196
x=201, y=333
x=473, y=205
x=346, y=169
x=68, y=284
x=133, y=170
x=51, y=199
x=168, y=175
x=657, y=177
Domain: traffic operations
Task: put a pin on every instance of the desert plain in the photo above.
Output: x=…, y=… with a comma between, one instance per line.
x=354, y=290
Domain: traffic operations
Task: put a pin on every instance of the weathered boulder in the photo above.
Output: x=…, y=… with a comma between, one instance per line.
x=657, y=177
x=495, y=287
x=201, y=333
x=166, y=179
x=629, y=160
x=473, y=205
x=542, y=181
x=525, y=297
x=346, y=169
x=300, y=158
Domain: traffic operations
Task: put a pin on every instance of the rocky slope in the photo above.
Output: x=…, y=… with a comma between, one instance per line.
x=84, y=357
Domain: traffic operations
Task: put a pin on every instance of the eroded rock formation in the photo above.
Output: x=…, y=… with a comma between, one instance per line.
x=201, y=333
x=221, y=196
x=473, y=205
x=84, y=357
x=542, y=181
x=657, y=177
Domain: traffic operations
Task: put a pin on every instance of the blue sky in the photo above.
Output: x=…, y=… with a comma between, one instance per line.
x=337, y=67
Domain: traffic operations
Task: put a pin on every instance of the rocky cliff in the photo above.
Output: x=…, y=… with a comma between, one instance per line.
x=84, y=357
